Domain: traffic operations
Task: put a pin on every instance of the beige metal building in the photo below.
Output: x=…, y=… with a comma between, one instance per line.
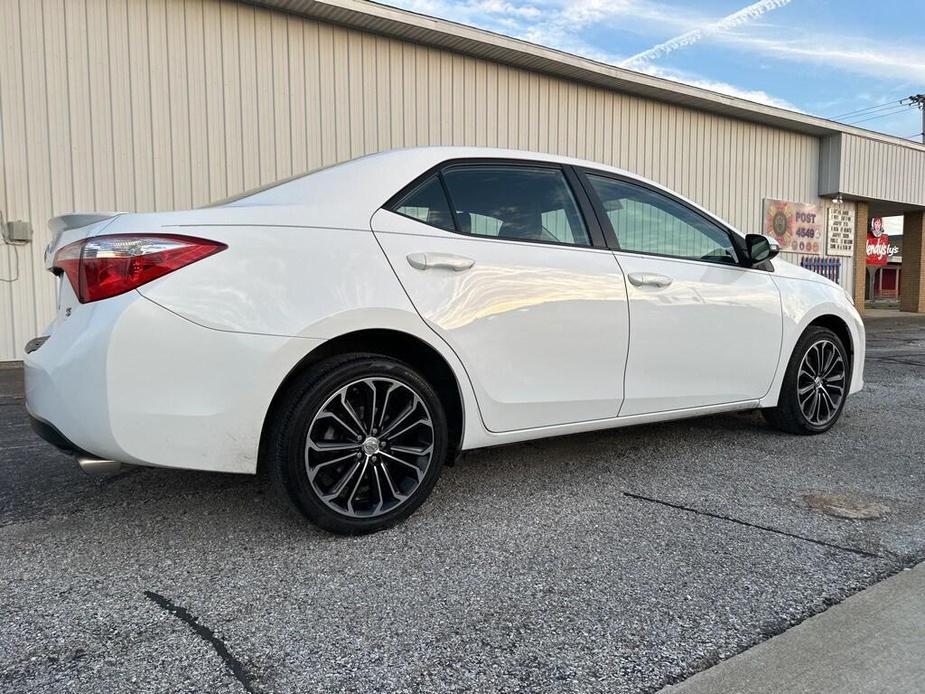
x=167, y=104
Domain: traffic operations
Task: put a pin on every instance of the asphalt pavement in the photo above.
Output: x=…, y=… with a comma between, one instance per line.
x=619, y=561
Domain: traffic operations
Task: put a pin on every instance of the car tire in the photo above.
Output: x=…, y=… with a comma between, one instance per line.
x=815, y=385
x=357, y=442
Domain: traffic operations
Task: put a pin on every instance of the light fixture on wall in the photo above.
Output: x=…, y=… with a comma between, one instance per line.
x=838, y=200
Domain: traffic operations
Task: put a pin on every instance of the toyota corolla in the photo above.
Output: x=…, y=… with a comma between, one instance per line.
x=353, y=329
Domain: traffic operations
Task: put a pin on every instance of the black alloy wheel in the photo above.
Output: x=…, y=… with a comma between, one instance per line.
x=815, y=385
x=359, y=442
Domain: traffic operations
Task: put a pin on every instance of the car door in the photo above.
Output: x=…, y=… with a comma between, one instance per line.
x=705, y=328
x=500, y=261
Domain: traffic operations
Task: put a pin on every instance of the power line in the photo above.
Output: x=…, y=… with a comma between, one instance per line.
x=902, y=109
x=879, y=115
x=890, y=104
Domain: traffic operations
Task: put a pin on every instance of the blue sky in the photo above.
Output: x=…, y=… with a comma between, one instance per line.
x=825, y=57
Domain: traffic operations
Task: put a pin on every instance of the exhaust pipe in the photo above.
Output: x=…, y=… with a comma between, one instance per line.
x=97, y=466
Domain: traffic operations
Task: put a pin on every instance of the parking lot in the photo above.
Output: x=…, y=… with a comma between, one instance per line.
x=618, y=561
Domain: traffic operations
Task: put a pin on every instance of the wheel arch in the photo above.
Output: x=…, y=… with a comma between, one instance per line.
x=397, y=344
x=826, y=315
x=784, y=412
x=838, y=326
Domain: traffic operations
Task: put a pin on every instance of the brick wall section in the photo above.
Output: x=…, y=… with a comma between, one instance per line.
x=860, y=254
x=912, y=284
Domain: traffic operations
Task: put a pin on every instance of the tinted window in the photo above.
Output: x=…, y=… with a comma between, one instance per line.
x=427, y=203
x=515, y=202
x=646, y=221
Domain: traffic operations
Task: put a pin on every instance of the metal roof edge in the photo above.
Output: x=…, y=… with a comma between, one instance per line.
x=440, y=33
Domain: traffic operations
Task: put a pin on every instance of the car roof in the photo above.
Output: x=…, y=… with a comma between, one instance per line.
x=443, y=152
x=401, y=166
x=359, y=187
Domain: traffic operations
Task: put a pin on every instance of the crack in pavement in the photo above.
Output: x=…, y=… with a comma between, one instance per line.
x=765, y=528
x=234, y=665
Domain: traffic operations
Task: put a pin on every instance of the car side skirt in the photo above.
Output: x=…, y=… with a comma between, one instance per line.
x=484, y=439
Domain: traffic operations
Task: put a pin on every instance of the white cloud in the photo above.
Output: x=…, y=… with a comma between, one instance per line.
x=688, y=38
x=561, y=23
x=559, y=20
x=755, y=95
x=843, y=53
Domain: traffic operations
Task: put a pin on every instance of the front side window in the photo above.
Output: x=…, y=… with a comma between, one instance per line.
x=645, y=221
x=522, y=203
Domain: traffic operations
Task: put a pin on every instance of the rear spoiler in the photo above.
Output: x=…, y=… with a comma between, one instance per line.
x=73, y=220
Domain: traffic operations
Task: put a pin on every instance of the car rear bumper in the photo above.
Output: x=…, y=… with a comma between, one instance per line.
x=88, y=462
x=127, y=380
x=49, y=433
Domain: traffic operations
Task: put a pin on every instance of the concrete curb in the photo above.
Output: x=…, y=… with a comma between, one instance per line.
x=872, y=642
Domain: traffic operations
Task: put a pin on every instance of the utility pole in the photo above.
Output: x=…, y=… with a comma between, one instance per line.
x=919, y=100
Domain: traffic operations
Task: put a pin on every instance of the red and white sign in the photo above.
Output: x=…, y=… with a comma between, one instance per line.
x=879, y=249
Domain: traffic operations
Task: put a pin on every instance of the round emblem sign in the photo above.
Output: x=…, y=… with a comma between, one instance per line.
x=779, y=223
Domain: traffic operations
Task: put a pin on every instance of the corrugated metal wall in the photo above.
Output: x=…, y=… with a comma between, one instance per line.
x=871, y=169
x=164, y=104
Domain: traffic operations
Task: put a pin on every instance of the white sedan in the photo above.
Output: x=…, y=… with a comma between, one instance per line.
x=352, y=329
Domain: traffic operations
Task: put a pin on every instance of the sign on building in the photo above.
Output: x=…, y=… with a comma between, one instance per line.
x=796, y=226
x=840, y=231
x=879, y=248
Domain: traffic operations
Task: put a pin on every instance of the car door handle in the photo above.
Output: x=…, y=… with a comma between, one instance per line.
x=648, y=279
x=444, y=261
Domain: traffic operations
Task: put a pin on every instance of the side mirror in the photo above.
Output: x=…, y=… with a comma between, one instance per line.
x=761, y=247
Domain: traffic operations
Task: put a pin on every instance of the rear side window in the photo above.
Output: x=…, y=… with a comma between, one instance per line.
x=523, y=203
x=427, y=203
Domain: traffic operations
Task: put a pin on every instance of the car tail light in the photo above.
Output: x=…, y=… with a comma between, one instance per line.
x=103, y=266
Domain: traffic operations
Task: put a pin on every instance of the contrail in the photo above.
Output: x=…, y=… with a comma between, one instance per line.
x=746, y=14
